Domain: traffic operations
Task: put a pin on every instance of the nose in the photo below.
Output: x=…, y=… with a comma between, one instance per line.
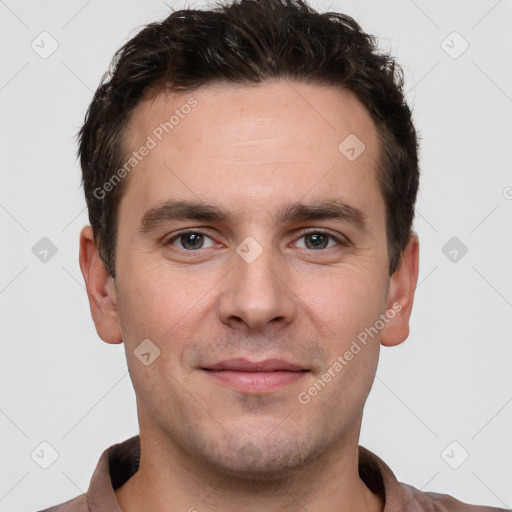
x=257, y=293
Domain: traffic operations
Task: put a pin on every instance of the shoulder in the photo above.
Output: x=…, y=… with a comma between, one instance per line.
x=419, y=501
x=401, y=497
x=116, y=465
x=78, y=504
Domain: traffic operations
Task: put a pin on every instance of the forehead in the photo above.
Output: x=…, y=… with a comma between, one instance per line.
x=259, y=146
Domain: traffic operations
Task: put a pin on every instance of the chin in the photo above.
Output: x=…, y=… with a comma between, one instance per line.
x=263, y=459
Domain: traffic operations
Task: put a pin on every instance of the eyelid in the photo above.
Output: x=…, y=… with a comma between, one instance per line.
x=177, y=235
x=339, y=238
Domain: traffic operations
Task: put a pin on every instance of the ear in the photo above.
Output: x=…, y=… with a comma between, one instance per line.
x=100, y=289
x=401, y=295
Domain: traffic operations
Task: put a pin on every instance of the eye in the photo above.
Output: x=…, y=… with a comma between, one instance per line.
x=190, y=240
x=317, y=240
x=314, y=240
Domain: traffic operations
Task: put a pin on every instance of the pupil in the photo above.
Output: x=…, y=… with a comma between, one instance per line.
x=317, y=240
x=192, y=239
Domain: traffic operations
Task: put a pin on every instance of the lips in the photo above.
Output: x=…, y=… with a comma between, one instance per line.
x=255, y=376
x=244, y=365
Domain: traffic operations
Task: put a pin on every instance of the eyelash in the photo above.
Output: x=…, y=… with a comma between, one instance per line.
x=342, y=241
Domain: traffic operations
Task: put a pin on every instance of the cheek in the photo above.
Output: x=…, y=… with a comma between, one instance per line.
x=346, y=301
x=163, y=310
x=351, y=307
x=163, y=305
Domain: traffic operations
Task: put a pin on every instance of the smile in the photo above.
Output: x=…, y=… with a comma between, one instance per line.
x=256, y=377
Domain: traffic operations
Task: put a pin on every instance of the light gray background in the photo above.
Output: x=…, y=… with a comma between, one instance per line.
x=451, y=381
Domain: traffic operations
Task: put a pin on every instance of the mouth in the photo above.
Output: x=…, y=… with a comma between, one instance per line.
x=256, y=377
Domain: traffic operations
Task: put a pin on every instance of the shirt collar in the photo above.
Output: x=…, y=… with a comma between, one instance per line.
x=121, y=461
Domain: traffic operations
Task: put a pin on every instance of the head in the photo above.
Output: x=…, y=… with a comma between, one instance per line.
x=281, y=137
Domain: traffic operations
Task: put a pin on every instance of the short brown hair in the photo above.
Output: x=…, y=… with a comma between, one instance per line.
x=249, y=42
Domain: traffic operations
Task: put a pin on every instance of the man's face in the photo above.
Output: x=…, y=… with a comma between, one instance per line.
x=258, y=284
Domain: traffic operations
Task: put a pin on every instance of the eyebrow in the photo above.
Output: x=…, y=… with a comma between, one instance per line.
x=335, y=209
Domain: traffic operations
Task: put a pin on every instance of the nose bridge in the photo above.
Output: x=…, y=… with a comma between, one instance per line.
x=255, y=291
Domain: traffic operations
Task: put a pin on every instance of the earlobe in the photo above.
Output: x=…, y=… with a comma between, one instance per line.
x=100, y=289
x=401, y=295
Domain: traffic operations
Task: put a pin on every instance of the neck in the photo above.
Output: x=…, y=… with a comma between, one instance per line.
x=169, y=480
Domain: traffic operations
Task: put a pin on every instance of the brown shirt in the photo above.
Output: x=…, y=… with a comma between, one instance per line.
x=121, y=461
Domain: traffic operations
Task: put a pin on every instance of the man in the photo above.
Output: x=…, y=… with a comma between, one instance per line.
x=250, y=174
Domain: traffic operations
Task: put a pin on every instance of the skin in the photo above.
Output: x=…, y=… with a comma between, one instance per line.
x=250, y=150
